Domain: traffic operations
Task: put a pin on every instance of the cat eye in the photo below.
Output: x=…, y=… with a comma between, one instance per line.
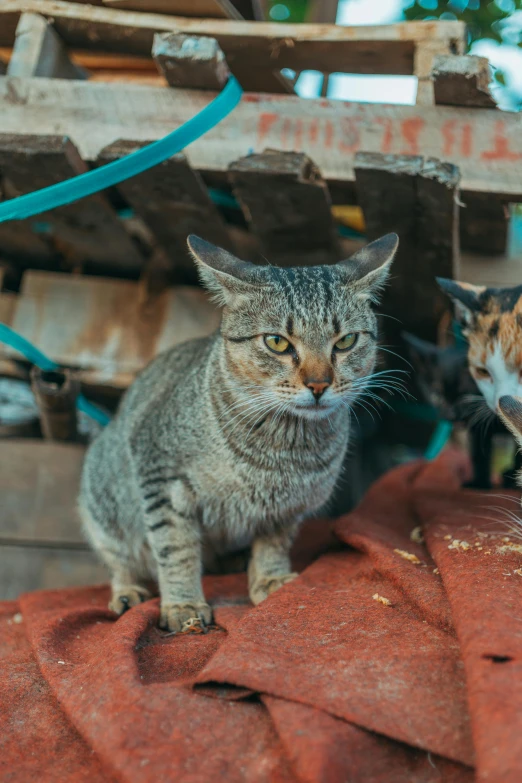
x=482, y=373
x=277, y=343
x=346, y=342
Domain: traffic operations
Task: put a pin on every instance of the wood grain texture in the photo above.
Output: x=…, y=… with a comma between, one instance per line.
x=462, y=81
x=39, y=51
x=485, y=144
x=173, y=202
x=85, y=231
x=190, y=62
x=219, y=9
x=113, y=328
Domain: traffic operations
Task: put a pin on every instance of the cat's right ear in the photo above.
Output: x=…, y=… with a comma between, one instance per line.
x=510, y=410
x=465, y=297
x=224, y=275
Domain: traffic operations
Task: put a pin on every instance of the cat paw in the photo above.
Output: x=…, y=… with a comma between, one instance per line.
x=181, y=617
x=125, y=598
x=264, y=586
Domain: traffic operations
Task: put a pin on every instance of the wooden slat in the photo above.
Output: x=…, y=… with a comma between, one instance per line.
x=39, y=485
x=417, y=199
x=287, y=205
x=486, y=144
x=39, y=51
x=484, y=224
x=190, y=62
x=173, y=202
x=19, y=242
x=27, y=568
x=219, y=9
x=86, y=231
x=462, y=81
x=248, y=46
x=112, y=330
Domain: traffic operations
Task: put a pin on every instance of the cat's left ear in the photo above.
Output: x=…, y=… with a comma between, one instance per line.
x=465, y=298
x=224, y=275
x=369, y=267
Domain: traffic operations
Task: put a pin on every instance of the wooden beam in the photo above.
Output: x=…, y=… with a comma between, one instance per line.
x=287, y=206
x=485, y=144
x=462, y=81
x=173, y=202
x=190, y=62
x=86, y=231
x=108, y=329
x=38, y=51
x=484, y=224
x=416, y=198
x=208, y=9
x=248, y=46
x=18, y=240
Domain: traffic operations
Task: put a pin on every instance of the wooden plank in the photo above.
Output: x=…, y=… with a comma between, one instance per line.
x=173, y=202
x=462, y=81
x=416, y=198
x=18, y=241
x=190, y=62
x=486, y=144
x=39, y=484
x=248, y=46
x=38, y=51
x=287, y=206
x=27, y=568
x=484, y=224
x=86, y=231
x=107, y=328
x=209, y=9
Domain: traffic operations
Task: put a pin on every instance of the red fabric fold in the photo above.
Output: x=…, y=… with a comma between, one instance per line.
x=319, y=684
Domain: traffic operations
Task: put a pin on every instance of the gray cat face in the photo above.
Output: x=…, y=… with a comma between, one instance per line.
x=301, y=340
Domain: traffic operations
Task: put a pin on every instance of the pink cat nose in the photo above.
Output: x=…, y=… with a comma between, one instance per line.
x=317, y=388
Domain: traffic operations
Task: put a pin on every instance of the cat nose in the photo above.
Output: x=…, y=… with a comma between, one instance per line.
x=317, y=388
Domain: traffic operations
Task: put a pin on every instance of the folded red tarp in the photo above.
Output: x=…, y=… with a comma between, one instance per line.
x=386, y=660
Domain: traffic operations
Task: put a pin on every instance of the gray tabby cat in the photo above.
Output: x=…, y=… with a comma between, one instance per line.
x=231, y=440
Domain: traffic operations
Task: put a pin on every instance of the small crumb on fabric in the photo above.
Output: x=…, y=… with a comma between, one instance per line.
x=506, y=540
x=518, y=571
x=416, y=535
x=381, y=599
x=407, y=555
x=436, y=571
x=510, y=548
x=457, y=544
x=448, y=537
x=62, y=662
x=17, y=618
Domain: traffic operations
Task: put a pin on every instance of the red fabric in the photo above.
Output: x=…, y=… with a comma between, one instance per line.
x=319, y=684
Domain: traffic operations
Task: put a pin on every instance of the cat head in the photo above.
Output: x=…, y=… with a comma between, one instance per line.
x=441, y=374
x=491, y=320
x=303, y=339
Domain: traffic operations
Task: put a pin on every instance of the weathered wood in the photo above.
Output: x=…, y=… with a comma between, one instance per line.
x=18, y=411
x=484, y=224
x=27, y=568
x=38, y=51
x=113, y=329
x=85, y=231
x=173, y=202
x=462, y=81
x=416, y=198
x=209, y=9
x=39, y=484
x=56, y=394
x=486, y=145
x=248, y=46
x=18, y=241
x=287, y=205
x=190, y=62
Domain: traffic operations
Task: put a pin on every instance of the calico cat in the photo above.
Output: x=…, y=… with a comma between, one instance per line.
x=233, y=439
x=444, y=382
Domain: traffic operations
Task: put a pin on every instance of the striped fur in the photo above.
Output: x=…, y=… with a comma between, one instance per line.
x=220, y=443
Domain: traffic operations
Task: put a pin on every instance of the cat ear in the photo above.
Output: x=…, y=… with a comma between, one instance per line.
x=510, y=409
x=369, y=267
x=465, y=298
x=224, y=275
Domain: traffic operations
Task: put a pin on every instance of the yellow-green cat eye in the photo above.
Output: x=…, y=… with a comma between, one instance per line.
x=276, y=343
x=346, y=342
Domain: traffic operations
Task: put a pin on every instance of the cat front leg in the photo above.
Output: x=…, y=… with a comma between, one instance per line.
x=174, y=536
x=269, y=567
